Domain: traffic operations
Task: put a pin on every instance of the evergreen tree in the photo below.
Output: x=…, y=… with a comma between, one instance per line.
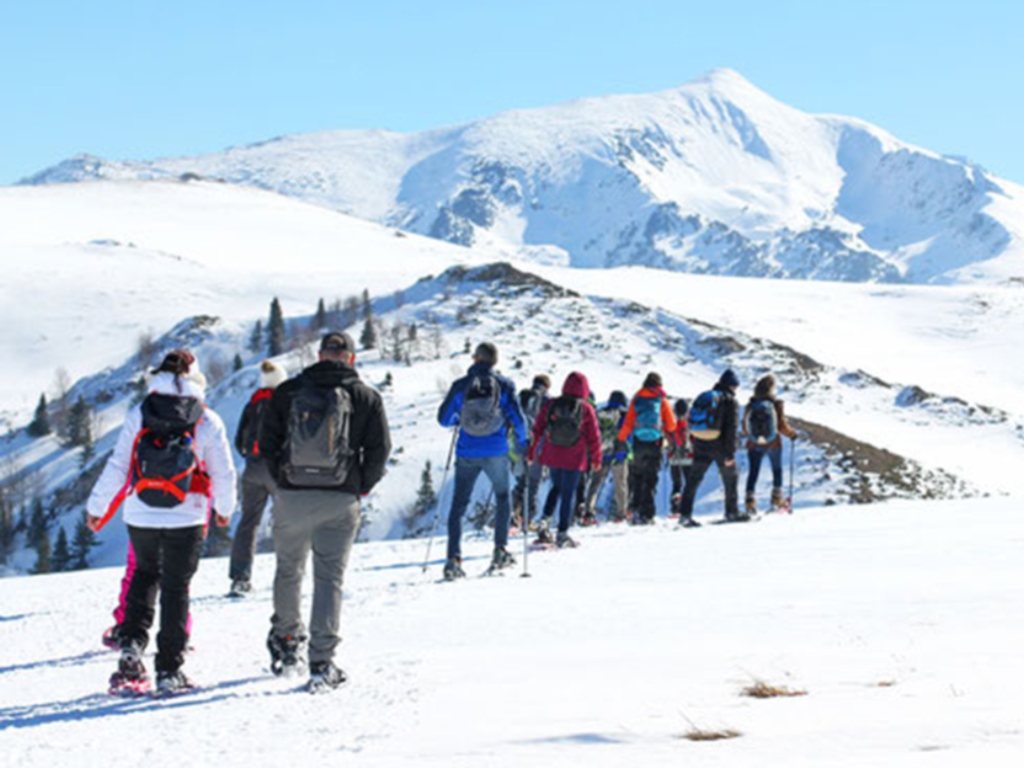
x=426, y=498
x=368, y=338
x=79, y=424
x=40, y=424
x=7, y=526
x=367, y=306
x=319, y=322
x=36, y=524
x=82, y=543
x=61, y=560
x=238, y=363
x=256, y=340
x=43, y=555
x=275, y=330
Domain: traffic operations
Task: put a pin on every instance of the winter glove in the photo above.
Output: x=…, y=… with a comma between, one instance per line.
x=220, y=520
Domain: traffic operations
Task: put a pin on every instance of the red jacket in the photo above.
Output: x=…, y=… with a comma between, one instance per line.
x=587, y=450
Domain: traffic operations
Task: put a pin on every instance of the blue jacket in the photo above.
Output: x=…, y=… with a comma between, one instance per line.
x=470, y=447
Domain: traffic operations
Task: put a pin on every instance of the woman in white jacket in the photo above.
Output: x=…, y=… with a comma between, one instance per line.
x=166, y=510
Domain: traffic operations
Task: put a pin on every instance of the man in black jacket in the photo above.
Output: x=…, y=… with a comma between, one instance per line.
x=720, y=451
x=325, y=439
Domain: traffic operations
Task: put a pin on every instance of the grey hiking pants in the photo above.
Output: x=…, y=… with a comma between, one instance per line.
x=325, y=522
x=257, y=486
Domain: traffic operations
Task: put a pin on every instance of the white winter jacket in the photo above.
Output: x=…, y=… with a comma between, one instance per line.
x=213, y=452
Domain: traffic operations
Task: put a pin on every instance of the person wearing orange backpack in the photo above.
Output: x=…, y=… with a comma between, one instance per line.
x=257, y=484
x=649, y=421
x=172, y=464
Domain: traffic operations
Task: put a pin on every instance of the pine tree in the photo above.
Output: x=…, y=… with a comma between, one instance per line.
x=367, y=306
x=319, y=321
x=238, y=363
x=275, y=330
x=7, y=526
x=79, y=424
x=256, y=339
x=61, y=560
x=368, y=338
x=36, y=524
x=43, y=555
x=40, y=424
x=82, y=542
x=426, y=498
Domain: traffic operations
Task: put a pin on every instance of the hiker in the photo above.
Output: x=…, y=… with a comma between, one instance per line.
x=524, y=495
x=326, y=442
x=609, y=420
x=648, y=421
x=713, y=425
x=170, y=469
x=764, y=425
x=482, y=404
x=569, y=442
x=257, y=485
x=680, y=458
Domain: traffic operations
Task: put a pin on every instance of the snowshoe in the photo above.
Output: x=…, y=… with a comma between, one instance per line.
x=453, y=569
x=240, y=588
x=544, y=534
x=131, y=678
x=564, y=541
x=501, y=559
x=324, y=677
x=688, y=522
x=172, y=683
x=285, y=655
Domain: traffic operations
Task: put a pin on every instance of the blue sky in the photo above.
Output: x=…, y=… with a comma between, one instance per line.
x=142, y=79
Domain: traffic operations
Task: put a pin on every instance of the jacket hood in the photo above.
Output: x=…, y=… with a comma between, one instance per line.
x=576, y=385
x=191, y=384
x=331, y=373
x=477, y=369
x=651, y=392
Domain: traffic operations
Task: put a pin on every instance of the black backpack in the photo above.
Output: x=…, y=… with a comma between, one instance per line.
x=565, y=421
x=317, y=451
x=164, y=463
x=762, y=422
x=481, y=414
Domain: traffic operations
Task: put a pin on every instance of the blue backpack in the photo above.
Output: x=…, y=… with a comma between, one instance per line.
x=647, y=426
x=761, y=421
x=706, y=416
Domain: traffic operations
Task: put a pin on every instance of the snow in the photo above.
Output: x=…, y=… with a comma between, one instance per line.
x=901, y=622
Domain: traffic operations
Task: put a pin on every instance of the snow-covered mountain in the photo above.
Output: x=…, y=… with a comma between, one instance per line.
x=711, y=177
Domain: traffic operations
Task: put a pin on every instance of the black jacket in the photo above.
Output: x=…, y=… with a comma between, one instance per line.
x=368, y=434
x=724, y=447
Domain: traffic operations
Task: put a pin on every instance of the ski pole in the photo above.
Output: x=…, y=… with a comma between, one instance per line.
x=526, y=524
x=792, y=462
x=437, y=511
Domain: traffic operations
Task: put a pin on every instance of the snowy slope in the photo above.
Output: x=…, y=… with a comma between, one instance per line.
x=714, y=176
x=901, y=624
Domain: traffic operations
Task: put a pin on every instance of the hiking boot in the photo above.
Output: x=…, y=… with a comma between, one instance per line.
x=324, y=676
x=564, y=541
x=778, y=500
x=453, y=569
x=130, y=665
x=502, y=559
x=750, y=505
x=688, y=522
x=240, y=588
x=285, y=655
x=740, y=517
x=544, y=533
x=170, y=683
x=676, y=503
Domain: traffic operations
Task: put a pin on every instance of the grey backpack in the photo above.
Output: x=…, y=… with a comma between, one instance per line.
x=317, y=453
x=481, y=414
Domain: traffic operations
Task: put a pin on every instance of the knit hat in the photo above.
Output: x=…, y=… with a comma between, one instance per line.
x=337, y=341
x=542, y=380
x=177, y=361
x=729, y=379
x=618, y=399
x=681, y=407
x=653, y=380
x=486, y=352
x=271, y=375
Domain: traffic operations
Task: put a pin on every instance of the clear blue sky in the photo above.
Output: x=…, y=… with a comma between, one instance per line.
x=138, y=79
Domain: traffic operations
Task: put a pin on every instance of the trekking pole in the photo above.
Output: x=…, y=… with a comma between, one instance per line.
x=437, y=511
x=526, y=524
x=792, y=462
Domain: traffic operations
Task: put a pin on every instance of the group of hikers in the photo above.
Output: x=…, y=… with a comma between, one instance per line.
x=318, y=442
